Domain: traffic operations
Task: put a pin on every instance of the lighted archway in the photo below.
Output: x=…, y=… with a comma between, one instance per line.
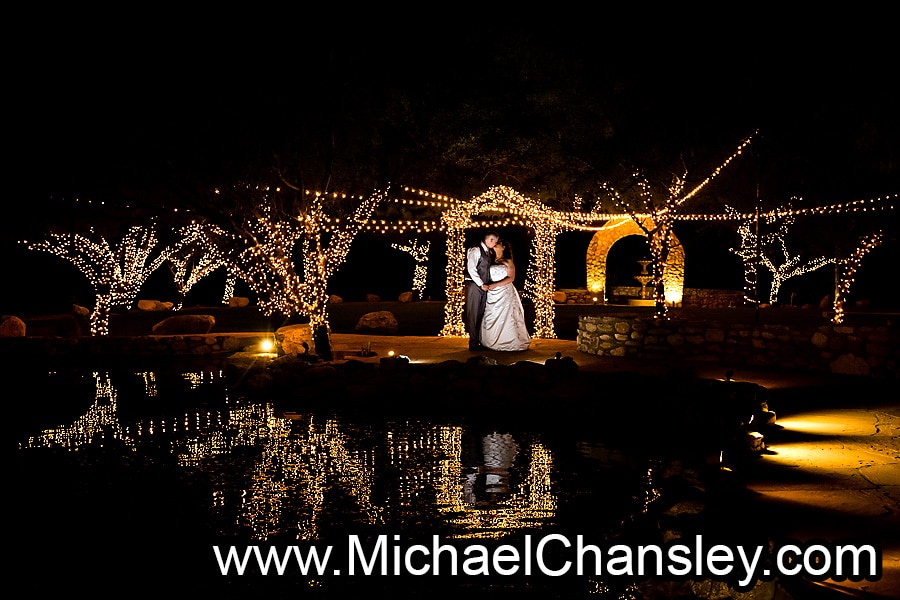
x=541, y=273
x=614, y=230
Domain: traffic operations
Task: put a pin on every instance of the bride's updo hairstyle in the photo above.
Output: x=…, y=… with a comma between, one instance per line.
x=507, y=250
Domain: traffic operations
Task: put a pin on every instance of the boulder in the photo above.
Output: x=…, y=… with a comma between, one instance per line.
x=405, y=296
x=295, y=339
x=81, y=311
x=152, y=305
x=238, y=302
x=335, y=299
x=848, y=364
x=184, y=325
x=379, y=322
x=373, y=298
x=559, y=297
x=11, y=326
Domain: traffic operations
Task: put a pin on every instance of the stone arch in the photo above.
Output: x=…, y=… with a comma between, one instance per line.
x=620, y=227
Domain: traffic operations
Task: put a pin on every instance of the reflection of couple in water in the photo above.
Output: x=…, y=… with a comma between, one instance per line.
x=492, y=477
x=495, y=319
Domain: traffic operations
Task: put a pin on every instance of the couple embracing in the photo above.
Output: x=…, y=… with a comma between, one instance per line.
x=495, y=319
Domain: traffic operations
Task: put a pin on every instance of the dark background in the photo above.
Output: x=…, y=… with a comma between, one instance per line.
x=136, y=121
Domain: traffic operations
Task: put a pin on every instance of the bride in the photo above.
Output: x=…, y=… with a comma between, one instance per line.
x=503, y=325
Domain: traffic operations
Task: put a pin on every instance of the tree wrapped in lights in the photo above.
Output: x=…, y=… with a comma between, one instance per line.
x=654, y=209
x=116, y=272
x=269, y=237
x=771, y=251
x=655, y=216
x=419, y=253
x=847, y=268
x=199, y=257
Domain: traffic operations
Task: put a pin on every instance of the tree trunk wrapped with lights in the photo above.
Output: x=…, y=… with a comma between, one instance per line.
x=847, y=271
x=419, y=252
x=770, y=250
x=116, y=274
x=266, y=261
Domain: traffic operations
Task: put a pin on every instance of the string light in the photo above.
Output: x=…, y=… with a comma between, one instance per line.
x=540, y=280
x=847, y=271
x=419, y=252
x=115, y=272
x=266, y=261
x=772, y=252
x=197, y=259
x=262, y=254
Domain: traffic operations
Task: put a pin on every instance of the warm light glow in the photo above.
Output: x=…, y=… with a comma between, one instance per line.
x=847, y=271
x=266, y=247
x=419, y=252
x=115, y=272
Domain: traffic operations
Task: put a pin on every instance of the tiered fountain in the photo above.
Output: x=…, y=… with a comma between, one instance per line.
x=644, y=277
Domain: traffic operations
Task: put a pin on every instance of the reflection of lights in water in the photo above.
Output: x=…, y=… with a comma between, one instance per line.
x=196, y=379
x=149, y=384
x=299, y=459
x=649, y=491
x=99, y=421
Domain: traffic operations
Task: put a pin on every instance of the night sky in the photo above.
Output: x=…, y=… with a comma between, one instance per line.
x=147, y=113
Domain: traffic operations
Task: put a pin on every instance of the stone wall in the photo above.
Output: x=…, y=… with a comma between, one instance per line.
x=693, y=297
x=128, y=346
x=867, y=350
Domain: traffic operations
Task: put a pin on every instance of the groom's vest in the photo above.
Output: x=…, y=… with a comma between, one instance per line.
x=483, y=267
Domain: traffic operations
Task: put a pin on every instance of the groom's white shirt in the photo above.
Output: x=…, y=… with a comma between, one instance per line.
x=472, y=258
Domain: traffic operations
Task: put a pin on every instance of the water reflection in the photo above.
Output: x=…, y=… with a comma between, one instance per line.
x=269, y=475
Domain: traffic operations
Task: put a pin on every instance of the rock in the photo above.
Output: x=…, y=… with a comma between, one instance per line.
x=335, y=299
x=754, y=441
x=390, y=364
x=825, y=302
x=405, y=297
x=184, y=325
x=849, y=364
x=238, y=302
x=480, y=360
x=373, y=298
x=318, y=373
x=81, y=311
x=153, y=305
x=12, y=326
x=378, y=322
x=563, y=366
x=559, y=297
x=295, y=339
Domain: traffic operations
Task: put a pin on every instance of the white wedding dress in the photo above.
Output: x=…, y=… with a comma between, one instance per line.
x=503, y=325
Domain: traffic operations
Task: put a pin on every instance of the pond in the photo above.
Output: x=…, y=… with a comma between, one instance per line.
x=130, y=481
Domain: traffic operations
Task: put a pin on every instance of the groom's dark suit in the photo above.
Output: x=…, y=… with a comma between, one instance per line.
x=475, y=296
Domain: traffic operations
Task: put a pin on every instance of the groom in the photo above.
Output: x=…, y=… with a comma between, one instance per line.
x=477, y=278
